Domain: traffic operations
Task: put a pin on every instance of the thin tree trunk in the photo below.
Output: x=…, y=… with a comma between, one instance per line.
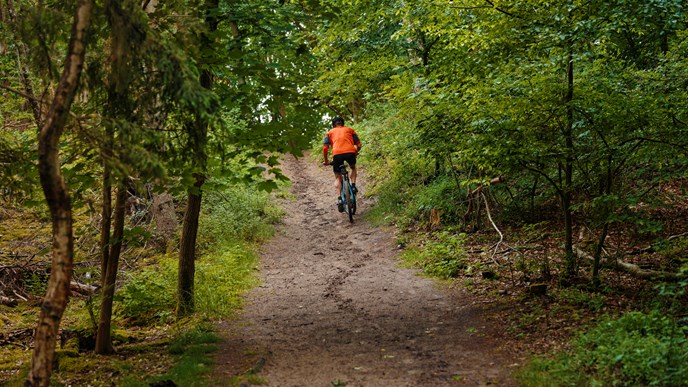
x=605, y=229
x=104, y=337
x=570, y=268
x=106, y=223
x=57, y=197
x=187, y=250
x=22, y=54
x=199, y=136
x=118, y=108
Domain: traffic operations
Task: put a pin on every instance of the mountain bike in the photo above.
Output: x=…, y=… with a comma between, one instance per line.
x=348, y=196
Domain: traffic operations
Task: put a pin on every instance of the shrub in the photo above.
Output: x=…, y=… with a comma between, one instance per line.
x=238, y=213
x=231, y=220
x=442, y=256
x=150, y=294
x=636, y=349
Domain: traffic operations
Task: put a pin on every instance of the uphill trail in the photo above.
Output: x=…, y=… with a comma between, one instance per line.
x=335, y=308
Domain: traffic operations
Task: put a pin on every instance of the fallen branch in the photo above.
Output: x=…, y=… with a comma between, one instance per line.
x=501, y=236
x=498, y=179
x=630, y=268
x=473, y=199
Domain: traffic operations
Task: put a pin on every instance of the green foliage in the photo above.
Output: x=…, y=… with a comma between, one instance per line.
x=237, y=213
x=193, y=361
x=635, y=349
x=592, y=301
x=223, y=277
x=200, y=334
x=586, y=112
x=149, y=295
x=442, y=255
x=232, y=220
x=18, y=172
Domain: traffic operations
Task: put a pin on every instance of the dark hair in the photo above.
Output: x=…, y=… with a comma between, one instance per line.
x=337, y=121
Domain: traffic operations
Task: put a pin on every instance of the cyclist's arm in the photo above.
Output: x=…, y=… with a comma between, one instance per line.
x=326, y=150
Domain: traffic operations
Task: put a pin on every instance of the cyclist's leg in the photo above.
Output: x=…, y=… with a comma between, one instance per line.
x=351, y=160
x=337, y=161
x=338, y=183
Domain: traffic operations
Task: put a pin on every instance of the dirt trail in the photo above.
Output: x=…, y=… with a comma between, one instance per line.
x=336, y=309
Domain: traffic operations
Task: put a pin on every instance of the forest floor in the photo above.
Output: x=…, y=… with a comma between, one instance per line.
x=336, y=308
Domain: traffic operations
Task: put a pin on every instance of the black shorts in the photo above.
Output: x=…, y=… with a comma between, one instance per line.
x=338, y=160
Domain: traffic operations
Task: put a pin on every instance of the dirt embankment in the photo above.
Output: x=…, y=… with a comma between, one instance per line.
x=336, y=309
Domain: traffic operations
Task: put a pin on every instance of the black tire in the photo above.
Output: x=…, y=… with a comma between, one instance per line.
x=353, y=203
x=349, y=203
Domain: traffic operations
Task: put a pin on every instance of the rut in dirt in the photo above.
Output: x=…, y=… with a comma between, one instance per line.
x=335, y=307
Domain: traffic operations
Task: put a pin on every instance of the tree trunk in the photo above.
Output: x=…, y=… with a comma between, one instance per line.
x=570, y=258
x=118, y=108
x=22, y=54
x=606, y=190
x=199, y=138
x=106, y=212
x=104, y=338
x=187, y=250
x=58, y=200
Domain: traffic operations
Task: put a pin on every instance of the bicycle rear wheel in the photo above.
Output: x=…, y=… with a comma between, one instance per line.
x=350, y=204
x=353, y=199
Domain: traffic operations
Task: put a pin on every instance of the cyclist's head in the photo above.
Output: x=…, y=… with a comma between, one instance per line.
x=337, y=121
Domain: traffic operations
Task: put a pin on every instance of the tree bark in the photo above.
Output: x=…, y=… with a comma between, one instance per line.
x=22, y=54
x=58, y=200
x=105, y=226
x=118, y=108
x=104, y=337
x=187, y=250
x=570, y=258
x=607, y=184
x=199, y=138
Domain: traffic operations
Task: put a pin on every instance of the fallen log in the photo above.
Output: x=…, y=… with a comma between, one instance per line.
x=11, y=302
x=630, y=268
x=84, y=289
x=651, y=249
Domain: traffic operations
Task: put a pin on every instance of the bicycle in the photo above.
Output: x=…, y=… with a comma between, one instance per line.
x=347, y=195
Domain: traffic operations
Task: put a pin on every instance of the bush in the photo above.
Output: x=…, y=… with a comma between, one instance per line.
x=150, y=294
x=231, y=221
x=442, y=256
x=238, y=213
x=222, y=278
x=636, y=349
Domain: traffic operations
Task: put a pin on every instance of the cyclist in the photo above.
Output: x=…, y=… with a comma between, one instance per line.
x=345, y=146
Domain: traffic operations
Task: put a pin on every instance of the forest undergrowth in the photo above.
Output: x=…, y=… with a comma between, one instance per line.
x=152, y=345
x=502, y=240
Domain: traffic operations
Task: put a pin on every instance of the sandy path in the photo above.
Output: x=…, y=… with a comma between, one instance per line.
x=336, y=309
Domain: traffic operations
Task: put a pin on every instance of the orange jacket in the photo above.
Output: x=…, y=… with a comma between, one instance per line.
x=342, y=139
